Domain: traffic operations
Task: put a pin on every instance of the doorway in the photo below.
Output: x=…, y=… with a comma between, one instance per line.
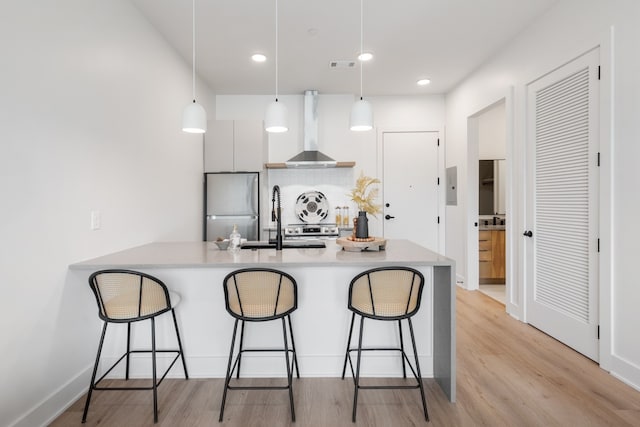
x=488, y=195
x=492, y=215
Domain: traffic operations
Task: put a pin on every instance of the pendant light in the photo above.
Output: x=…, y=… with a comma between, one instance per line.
x=361, y=112
x=275, y=119
x=194, y=117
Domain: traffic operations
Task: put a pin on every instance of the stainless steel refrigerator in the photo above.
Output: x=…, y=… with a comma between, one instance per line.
x=231, y=199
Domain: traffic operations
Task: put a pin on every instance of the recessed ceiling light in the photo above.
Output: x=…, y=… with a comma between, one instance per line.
x=365, y=56
x=423, y=82
x=258, y=57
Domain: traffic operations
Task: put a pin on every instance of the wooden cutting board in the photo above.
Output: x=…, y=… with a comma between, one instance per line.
x=377, y=244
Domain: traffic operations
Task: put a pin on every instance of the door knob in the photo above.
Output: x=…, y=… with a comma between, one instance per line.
x=388, y=216
x=528, y=233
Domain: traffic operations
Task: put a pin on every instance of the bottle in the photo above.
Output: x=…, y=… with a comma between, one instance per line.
x=338, y=216
x=345, y=216
x=234, y=239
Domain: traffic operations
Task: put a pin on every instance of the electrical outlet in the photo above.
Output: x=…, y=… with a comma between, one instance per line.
x=95, y=220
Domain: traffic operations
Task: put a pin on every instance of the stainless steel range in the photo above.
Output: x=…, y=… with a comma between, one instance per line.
x=295, y=231
x=311, y=209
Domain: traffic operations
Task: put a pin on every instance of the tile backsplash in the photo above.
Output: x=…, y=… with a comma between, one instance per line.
x=334, y=183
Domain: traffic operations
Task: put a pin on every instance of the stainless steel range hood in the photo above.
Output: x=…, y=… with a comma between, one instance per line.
x=311, y=157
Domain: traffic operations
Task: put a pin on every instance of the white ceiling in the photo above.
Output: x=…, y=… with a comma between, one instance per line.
x=443, y=40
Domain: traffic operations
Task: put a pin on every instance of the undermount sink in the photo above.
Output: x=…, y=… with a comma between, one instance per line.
x=289, y=244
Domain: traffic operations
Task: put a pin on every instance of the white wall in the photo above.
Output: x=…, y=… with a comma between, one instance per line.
x=492, y=133
x=335, y=138
x=566, y=31
x=90, y=117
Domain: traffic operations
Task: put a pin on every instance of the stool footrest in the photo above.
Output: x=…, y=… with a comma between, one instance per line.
x=404, y=356
x=95, y=384
x=258, y=387
x=265, y=350
x=389, y=387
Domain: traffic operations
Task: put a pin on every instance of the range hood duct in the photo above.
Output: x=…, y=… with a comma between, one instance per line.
x=311, y=157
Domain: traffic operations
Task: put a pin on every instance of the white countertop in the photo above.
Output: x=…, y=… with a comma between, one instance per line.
x=490, y=227
x=207, y=255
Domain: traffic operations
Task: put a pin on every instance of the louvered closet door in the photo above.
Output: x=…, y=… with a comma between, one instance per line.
x=562, y=289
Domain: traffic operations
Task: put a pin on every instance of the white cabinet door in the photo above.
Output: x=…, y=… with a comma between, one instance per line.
x=234, y=146
x=249, y=145
x=218, y=146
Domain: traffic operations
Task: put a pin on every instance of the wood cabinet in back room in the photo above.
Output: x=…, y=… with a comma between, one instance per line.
x=491, y=246
x=234, y=146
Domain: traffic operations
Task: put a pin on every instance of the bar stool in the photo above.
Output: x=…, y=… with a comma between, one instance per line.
x=258, y=295
x=125, y=296
x=386, y=293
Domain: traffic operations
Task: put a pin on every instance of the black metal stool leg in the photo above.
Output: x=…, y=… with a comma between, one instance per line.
x=404, y=368
x=93, y=375
x=126, y=375
x=357, y=385
x=240, y=349
x=228, y=376
x=153, y=363
x=415, y=353
x=293, y=346
x=184, y=363
x=289, y=370
x=346, y=354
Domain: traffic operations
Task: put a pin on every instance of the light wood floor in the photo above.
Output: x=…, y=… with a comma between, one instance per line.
x=509, y=374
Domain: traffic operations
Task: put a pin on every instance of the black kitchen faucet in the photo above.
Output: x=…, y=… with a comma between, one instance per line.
x=277, y=217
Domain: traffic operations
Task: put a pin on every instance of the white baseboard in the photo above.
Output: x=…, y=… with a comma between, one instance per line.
x=271, y=366
x=625, y=371
x=57, y=402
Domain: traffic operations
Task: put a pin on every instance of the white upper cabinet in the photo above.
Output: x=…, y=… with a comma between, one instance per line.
x=234, y=146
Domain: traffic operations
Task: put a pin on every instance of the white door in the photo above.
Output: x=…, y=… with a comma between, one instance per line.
x=562, y=286
x=410, y=187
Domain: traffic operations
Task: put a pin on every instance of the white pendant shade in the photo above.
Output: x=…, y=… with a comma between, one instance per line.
x=194, y=118
x=361, y=116
x=275, y=119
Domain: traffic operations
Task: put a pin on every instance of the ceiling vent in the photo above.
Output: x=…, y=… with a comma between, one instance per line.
x=342, y=64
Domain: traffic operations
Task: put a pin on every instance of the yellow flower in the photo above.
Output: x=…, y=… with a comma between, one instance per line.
x=364, y=197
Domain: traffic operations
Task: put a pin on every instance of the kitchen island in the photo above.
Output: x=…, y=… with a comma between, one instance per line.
x=195, y=270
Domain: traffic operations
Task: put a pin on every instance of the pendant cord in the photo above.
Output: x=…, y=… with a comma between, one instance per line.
x=361, y=46
x=193, y=49
x=276, y=50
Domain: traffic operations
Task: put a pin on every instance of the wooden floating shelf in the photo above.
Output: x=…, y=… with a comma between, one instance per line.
x=284, y=166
